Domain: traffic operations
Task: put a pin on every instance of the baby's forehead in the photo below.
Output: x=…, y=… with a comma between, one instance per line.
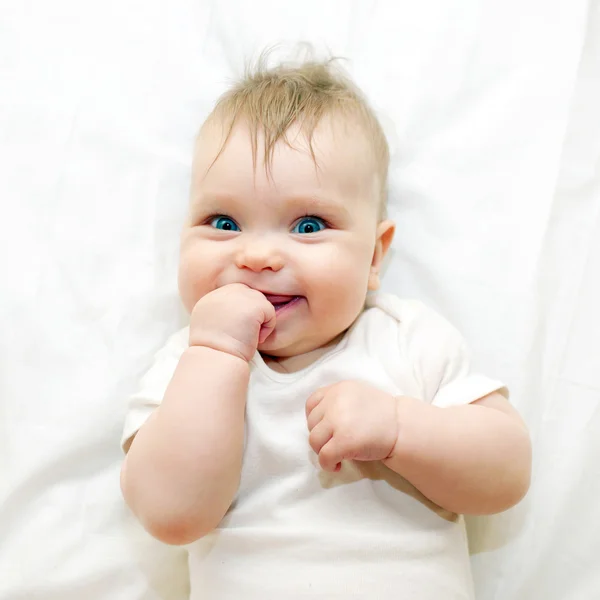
x=337, y=145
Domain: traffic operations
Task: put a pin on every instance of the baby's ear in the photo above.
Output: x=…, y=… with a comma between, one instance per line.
x=383, y=241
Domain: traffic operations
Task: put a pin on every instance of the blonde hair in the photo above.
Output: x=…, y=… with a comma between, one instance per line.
x=271, y=100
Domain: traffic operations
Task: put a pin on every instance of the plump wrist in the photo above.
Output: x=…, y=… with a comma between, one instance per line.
x=221, y=342
x=207, y=352
x=412, y=416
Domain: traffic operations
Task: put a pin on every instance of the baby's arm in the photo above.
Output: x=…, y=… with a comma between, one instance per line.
x=183, y=467
x=472, y=459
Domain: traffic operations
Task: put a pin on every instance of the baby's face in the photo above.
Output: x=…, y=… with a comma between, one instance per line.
x=311, y=236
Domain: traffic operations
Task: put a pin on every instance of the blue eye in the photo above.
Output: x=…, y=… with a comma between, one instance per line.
x=224, y=223
x=309, y=225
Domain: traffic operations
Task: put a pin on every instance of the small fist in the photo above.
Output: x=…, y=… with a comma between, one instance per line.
x=351, y=420
x=234, y=319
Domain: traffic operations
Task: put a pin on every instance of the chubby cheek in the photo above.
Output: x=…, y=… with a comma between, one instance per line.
x=195, y=278
x=339, y=287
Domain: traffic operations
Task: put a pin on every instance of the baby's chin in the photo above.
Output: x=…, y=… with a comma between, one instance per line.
x=295, y=356
x=289, y=363
x=277, y=347
x=270, y=347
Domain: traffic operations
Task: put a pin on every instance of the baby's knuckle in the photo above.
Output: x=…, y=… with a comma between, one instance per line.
x=343, y=418
x=346, y=441
x=337, y=388
x=326, y=459
x=336, y=403
x=347, y=386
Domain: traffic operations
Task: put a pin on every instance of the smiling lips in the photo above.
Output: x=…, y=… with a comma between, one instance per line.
x=279, y=301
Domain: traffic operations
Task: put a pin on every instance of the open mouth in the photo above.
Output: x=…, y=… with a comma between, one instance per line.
x=280, y=302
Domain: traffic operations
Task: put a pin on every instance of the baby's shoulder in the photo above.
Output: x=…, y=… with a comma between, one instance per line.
x=410, y=315
x=407, y=324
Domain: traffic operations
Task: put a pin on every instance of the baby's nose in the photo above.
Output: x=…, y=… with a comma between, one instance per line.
x=259, y=255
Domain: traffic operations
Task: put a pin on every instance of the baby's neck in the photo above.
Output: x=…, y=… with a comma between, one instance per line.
x=292, y=364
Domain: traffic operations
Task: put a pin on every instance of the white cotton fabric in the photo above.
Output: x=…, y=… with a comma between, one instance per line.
x=297, y=532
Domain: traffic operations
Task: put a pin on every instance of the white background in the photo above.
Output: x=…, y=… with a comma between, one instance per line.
x=492, y=109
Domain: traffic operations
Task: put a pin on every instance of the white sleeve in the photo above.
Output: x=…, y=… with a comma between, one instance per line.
x=153, y=385
x=441, y=362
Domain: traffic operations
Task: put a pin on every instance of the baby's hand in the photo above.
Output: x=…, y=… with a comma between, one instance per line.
x=234, y=319
x=351, y=420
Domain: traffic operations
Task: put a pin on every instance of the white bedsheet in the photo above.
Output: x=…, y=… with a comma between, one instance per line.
x=492, y=110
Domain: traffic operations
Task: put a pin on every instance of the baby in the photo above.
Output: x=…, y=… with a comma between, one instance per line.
x=305, y=437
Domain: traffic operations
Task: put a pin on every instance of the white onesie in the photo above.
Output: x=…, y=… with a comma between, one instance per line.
x=295, y=532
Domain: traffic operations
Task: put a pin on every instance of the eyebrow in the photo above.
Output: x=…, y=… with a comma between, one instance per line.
x=209, y=203
x=317, y=204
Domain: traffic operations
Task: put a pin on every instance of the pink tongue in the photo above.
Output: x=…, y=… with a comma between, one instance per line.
x=278, y=299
